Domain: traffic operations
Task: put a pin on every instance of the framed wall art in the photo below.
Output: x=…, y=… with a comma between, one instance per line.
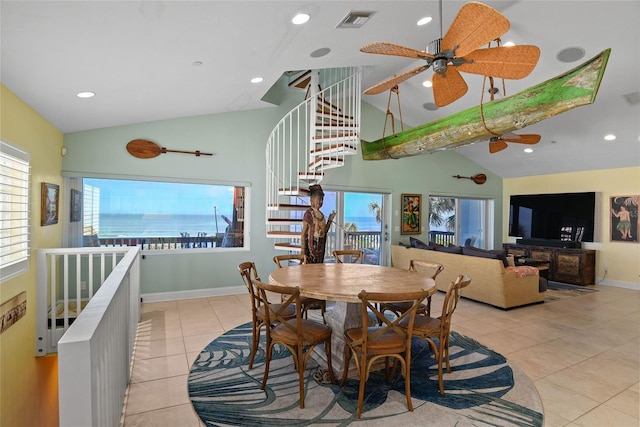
x=76, y=206
x=624, y=219
x=50, y=197
x=411, y=218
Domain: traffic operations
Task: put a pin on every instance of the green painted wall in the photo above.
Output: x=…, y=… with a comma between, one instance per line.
x=239, y=140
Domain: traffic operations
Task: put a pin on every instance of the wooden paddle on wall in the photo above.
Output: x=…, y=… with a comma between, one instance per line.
x=145, y=149
x=478, y=179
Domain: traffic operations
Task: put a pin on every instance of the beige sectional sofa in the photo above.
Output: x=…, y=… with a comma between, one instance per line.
x=491, y=282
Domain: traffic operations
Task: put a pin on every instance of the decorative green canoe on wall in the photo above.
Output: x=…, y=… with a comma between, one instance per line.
x=567, y=91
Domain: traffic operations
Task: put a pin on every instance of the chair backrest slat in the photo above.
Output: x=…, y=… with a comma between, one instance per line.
x=290, y=259
x=354, y=256
x=425, y=267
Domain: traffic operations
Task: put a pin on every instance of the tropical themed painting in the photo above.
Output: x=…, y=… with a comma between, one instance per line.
x=624, y=218
x=410, y=214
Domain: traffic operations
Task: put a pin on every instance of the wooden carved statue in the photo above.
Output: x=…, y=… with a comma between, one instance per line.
x=314, y=227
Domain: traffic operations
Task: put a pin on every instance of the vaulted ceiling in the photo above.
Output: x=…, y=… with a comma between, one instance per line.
x=155, y=60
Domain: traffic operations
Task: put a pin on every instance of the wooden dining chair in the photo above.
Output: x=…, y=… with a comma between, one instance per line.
x=299, y=335
x=249, y=275
x=429, y=328
x=307, y=303
x=432, y=269
x=368, y=344
x=349, y=256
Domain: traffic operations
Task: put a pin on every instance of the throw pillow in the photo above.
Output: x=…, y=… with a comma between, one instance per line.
x=492, y=253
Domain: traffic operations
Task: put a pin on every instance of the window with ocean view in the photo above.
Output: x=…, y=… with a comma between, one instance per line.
x=162, y=215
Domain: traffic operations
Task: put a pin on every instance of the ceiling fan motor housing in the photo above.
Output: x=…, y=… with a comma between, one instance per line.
x=433, y=48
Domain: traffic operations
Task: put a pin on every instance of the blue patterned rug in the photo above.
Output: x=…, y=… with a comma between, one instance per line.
x=484, y=389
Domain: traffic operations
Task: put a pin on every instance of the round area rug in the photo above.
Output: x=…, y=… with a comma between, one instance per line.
x=483, y=389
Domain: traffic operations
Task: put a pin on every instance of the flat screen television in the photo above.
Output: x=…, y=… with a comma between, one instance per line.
x=561, y=216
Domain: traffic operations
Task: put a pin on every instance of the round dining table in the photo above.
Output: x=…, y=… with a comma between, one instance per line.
x=341, y=283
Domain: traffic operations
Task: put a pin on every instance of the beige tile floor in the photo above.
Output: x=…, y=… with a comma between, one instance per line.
x=582, y=353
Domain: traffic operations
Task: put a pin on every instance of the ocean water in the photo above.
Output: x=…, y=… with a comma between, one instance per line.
x=132, y=225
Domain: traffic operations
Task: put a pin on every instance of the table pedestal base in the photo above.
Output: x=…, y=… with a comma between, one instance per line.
x=340, y=317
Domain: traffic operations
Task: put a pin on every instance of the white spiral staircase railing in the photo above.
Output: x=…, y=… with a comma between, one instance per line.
x=312, y=138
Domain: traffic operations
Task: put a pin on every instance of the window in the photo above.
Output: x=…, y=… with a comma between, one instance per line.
x=15, y=168
x=163, y=215
x=461, y=221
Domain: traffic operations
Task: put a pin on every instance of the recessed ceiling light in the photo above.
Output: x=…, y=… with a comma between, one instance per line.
x=528, y=150
x=507, y=44
x=610, y=137
x=427, y=83
x=430, y=106
x=300, y=18
x=320, y=52
x=425, y=20
x=257, y=80
x=86, y=95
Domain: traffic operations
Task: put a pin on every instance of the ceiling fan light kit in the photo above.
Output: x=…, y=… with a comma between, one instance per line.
x=475, y=25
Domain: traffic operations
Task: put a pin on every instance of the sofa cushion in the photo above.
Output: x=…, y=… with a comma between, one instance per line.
x=417, y=243
x=484, y=253
x=452, y=249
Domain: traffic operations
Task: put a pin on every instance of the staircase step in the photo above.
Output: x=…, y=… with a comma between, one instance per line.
x=311, y=176
x=334, y=115
x=293, y=247
x=283, y=234
x=288, y=207
x=335, y=126
x=329, y=139
x=326, y=162
x=284, y=221
x=335, y=149
x=293, y=192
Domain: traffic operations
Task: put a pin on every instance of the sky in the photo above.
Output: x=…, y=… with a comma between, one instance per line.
x=136, y=197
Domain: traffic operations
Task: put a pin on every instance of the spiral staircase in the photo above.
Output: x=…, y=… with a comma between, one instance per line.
x=311, y=139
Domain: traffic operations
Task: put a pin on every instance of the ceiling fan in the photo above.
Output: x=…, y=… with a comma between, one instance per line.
x=475, y=25
x=499, y=142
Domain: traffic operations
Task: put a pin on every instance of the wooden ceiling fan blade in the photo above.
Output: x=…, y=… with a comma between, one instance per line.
x=522, y=139
x=382, y=48
x=497, y=145
x=394, y=81
x=513, y=62
x=448, y=89
x=475, y=25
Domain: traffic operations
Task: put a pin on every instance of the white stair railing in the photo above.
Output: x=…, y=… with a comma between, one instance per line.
x=315, y=136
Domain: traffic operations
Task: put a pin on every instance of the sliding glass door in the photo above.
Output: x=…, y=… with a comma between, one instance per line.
x=360, y=223
x=461, y=221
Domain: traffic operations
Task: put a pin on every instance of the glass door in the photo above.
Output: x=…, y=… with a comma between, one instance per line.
x=461, y=221
x=360, y=223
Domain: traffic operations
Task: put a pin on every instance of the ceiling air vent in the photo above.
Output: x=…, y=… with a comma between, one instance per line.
x=355, y=19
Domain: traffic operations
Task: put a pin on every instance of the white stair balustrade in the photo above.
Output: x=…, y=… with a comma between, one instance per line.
x=312, y=138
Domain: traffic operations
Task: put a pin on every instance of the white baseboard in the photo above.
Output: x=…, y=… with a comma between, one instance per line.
x=617, y=284
x=197, y=293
